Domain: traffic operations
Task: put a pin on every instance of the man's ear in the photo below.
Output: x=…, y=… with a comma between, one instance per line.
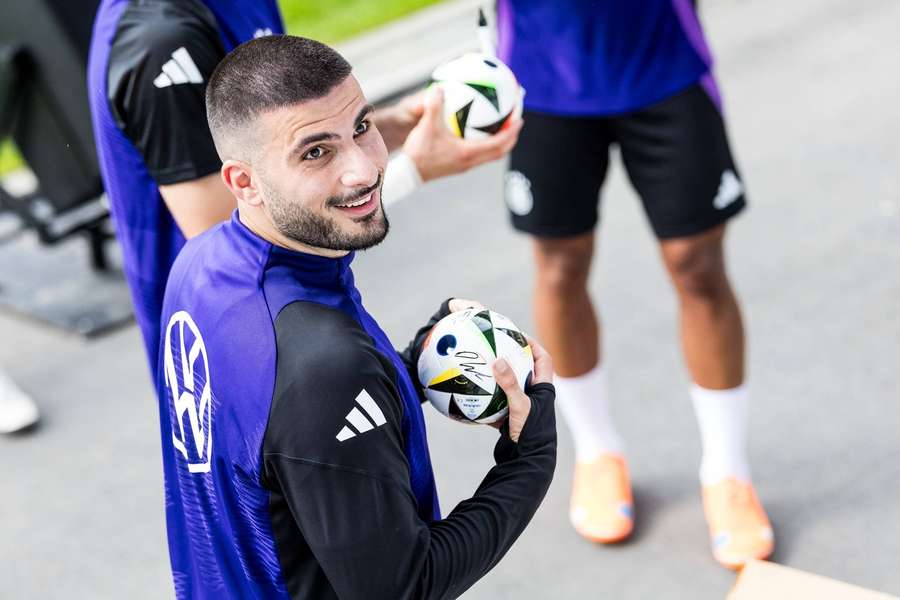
x=238, y=177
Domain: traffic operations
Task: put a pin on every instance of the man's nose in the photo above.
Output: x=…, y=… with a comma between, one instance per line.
x=359, y=170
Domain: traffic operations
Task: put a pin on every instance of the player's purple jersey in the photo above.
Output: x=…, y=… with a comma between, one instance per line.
x=602, y=57
x=148, y=235
x=217, y=380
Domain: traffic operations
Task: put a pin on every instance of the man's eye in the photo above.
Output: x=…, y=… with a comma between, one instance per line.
x=362, y=127
x=314, y=153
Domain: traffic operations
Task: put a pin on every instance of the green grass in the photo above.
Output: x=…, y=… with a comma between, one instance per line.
x=326, y=20
x=335, y=20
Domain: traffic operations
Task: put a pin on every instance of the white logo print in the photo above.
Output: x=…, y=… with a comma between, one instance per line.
x=262, y=32
x=359, y=420
x=730, y=189
x=519, y=198
x=180, y=69
x=187, y=380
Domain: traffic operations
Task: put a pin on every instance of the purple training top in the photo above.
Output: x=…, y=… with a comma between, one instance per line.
x=603, y=57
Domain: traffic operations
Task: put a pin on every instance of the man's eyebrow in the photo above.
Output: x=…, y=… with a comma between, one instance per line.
x=311, y=139
x=367, y=109
x=327, y=135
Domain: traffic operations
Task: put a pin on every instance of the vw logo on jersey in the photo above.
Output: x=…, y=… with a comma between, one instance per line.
x=187, y=383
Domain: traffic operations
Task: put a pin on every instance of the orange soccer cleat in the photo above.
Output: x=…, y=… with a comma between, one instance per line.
x=602, y=509
x=738, y=526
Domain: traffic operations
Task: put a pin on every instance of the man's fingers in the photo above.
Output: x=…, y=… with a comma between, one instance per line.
x=414, y=104
x=434, y=105
x=543, y=364
x=475, y=152
x=509, y=136
x=458, y=304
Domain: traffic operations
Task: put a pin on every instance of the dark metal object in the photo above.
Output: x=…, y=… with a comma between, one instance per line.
x=44, y=108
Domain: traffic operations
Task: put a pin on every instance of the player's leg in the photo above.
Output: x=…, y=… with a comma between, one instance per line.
x=678, y=157
x=712, y=333
x=601, y=507
x=556, y=171
x=712, y=338
x=563, y=311
x=17, y=410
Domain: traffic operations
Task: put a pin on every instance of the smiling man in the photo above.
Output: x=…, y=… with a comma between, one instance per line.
x=294, y=448
x=149, y=64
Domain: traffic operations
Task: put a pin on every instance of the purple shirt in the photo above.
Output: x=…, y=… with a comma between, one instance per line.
x=606, y=57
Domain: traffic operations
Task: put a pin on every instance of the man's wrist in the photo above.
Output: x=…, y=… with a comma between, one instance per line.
x=401, y=178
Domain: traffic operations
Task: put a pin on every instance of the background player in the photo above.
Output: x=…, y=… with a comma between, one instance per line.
x=294, y=448
x=148, y=67
x=635, y=74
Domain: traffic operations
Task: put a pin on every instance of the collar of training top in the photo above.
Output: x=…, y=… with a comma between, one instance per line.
x=311, y=267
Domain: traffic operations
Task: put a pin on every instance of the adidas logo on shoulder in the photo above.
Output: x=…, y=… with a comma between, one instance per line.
x=356, y=418
x=177, y=70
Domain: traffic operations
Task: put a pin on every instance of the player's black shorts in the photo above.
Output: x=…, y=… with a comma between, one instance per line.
x=675, y=152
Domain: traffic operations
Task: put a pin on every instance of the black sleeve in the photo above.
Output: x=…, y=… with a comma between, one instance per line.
x=411, y=354
x=348, y=525
x=161, y=58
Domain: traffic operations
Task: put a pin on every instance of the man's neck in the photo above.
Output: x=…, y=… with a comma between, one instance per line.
x=278, y=239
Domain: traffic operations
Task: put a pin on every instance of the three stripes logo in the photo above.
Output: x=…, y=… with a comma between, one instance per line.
x=177, y=70
x=730, y=190
x=356, y=418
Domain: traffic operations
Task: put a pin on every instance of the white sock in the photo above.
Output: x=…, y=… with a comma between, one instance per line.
x=584, y=404
x=722, y=417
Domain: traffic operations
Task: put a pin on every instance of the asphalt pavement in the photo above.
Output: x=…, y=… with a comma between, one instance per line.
x=812, y=91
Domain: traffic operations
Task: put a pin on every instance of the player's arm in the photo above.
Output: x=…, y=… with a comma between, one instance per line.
x=198, y=204
x=348, y=490
x=158, y=69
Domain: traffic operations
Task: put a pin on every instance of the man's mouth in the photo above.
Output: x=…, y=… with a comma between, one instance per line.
x=355, y=203
x=361, y=206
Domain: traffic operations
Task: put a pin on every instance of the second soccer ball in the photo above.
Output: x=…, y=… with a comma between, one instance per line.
x=481, y=95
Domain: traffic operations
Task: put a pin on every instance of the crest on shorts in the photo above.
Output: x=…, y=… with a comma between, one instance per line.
x=518, y=194
x=188, y=391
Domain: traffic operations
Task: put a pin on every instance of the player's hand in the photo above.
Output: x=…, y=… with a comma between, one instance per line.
x=436, y=152
x=458, y=304
x=396, y=121
x=519, y=402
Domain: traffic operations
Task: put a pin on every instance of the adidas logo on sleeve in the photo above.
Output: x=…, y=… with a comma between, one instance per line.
x=177, y=70
x=357, y=421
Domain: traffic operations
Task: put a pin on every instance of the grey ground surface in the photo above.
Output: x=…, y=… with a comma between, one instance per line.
x=812, y=92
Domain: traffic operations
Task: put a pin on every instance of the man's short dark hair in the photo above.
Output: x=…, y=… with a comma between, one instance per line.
x=264, y=74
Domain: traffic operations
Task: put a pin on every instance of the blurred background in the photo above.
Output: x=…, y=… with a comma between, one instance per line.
x=811, y=91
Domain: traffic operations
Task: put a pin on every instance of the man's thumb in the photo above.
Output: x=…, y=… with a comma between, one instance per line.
x=506, y=378
x=519, y=403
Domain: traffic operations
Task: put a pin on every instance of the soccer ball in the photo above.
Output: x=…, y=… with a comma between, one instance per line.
x=455, y=364
x=481, y=95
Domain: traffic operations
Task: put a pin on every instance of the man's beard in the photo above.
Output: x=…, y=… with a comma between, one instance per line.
x=321, y=231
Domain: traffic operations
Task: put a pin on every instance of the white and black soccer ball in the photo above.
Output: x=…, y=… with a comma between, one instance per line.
x=481, y=95
x=455, y=364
